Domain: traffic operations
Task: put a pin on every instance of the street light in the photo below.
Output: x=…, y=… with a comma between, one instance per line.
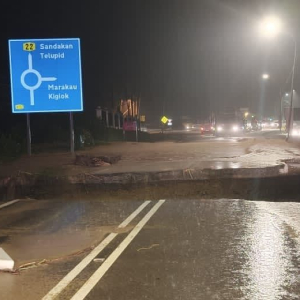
x=266, y=77
x=270, y=27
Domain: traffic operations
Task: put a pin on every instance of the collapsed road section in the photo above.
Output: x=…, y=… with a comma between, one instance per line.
x=264, y=184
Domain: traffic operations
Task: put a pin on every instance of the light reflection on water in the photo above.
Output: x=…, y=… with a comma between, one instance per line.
x=268, y=263
x=219, y=165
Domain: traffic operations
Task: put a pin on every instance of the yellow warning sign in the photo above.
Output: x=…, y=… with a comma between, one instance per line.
x=164, y=119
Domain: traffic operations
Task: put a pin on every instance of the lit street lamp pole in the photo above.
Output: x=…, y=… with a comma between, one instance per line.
x=266, y=77
x=270, y=27
x=290, y=125
x=280, y=110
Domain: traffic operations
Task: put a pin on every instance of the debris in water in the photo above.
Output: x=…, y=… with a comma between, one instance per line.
x=97, y=161
x=147, y=248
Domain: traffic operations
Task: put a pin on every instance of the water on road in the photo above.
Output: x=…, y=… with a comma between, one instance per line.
x=186, y=249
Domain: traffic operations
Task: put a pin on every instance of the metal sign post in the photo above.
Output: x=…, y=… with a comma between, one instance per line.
x=72, y=139
x=136, y=131
x=164, y=120
x=28, y=134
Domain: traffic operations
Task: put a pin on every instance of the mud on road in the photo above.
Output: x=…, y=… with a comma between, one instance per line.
x=276, y=188
x=273, y=189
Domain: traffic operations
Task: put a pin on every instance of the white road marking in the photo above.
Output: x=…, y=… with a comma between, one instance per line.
x=73, y=273
x=6, y=262
x=95, y=278
x=9, y=203
x=133, y=215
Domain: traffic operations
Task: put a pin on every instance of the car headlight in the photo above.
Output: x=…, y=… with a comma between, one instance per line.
x=296, y=132
x=202, y=128
x=235, y=128
x=219, y=128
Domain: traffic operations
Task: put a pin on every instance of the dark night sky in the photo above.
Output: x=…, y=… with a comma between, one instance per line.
x=190, y=56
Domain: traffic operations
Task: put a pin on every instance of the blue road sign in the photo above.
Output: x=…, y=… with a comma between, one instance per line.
x=45, y=75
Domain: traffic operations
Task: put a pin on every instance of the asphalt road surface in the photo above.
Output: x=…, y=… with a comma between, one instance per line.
x=168, y=249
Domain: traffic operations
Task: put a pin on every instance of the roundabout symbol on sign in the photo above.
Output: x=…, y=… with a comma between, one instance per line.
x=40, y=79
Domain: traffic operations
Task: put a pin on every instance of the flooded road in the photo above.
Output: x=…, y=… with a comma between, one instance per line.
x=173, y=249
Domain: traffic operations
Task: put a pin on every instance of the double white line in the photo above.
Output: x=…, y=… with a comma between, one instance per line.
x=94, y=279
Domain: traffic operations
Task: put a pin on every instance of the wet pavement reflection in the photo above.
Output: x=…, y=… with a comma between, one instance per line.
x=270, y=268
x=219, y=165
x=204, y=249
